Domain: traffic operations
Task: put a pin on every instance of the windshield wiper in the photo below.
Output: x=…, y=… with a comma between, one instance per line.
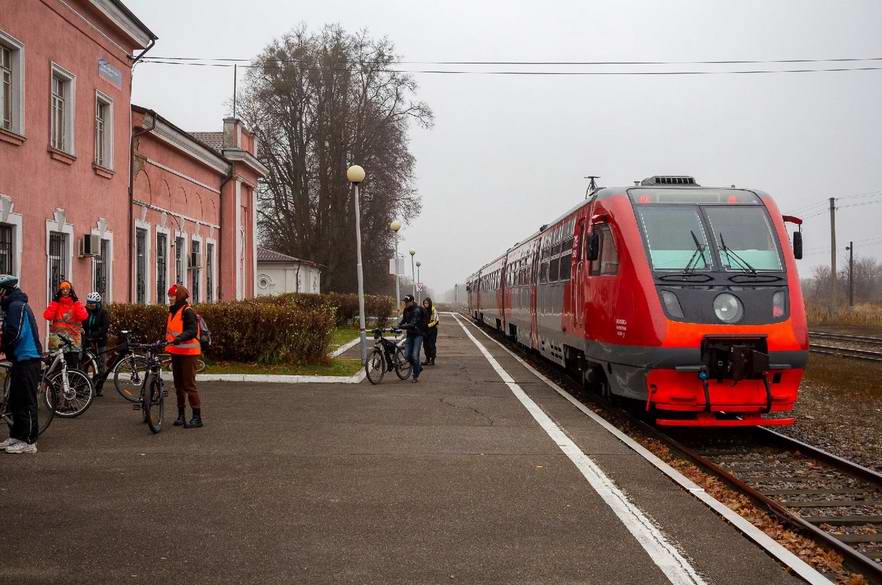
x=730, y=254
x=699, y=249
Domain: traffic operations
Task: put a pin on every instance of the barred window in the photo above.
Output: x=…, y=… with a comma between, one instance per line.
x=141, y=266
x=7, y=249
x=209, y=272
x=161, y=267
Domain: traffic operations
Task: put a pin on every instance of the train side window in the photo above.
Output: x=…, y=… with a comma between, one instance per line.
x=554, y=270
x=608, y=261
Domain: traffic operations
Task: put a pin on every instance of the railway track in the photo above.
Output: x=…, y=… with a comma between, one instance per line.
x=862, y=347
x=835, y=501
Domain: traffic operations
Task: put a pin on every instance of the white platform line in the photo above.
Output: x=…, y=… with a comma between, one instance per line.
x=676, y=568
x=770, y=545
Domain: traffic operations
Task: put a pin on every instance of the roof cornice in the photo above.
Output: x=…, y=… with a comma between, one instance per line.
x=243, y=156
x=122, y=17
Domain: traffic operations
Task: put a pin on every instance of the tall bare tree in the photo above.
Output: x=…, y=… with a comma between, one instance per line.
x=318, y=103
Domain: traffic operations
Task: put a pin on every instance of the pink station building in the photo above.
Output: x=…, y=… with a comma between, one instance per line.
x=109, y=195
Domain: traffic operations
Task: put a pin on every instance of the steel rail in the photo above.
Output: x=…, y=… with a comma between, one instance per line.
x=845, y=337
x=860, y=354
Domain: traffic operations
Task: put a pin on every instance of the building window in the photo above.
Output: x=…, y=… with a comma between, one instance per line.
x=161, y=266
x=195, y=270
x=179, y=260
x=209, y=272
x=62, y=111
x=7, y=249
x=58, y=253
x=102, y=265
x=103, y=132
x=11, y=86
x=140, y=266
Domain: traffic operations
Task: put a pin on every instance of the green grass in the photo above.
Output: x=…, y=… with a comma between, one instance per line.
x=334, y=367
x=341, y=336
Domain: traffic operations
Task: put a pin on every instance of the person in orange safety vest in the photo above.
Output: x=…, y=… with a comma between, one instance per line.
x=182, y=335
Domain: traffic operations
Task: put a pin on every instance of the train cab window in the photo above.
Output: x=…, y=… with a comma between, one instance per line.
x=675, y=237
x=608, y=260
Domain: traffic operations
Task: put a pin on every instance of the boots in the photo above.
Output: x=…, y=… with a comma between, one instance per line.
x=196, y=421
x=182, y=419
x=432, y=361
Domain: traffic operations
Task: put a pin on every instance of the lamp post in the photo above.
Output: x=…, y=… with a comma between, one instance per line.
x=420, y=289
x=413, y=272
x=355, y=175
x=395, y=226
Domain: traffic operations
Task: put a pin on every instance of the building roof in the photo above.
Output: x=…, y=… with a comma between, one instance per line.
x=126, y=20
x=268, y=256
x=213, y=139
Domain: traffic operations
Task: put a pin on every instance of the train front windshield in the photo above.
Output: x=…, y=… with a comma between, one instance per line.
x=679, y=226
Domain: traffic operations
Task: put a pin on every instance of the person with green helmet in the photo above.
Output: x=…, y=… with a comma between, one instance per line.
x=21, y=344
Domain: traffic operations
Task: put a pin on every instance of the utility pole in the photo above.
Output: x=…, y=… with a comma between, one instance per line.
x=833, y=252
x=850, y=249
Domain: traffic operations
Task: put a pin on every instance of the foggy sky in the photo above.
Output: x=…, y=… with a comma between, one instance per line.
x=508, y=154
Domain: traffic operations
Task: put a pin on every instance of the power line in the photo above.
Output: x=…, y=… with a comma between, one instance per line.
x=545, y=63
x=156, y=61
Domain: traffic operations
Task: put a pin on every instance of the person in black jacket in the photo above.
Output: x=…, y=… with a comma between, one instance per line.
x=95, y=333
x=21, y=344
x=413, y=321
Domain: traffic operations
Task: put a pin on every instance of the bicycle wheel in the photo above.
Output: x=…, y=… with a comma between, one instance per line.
x=200, y=365
x=44, y=412
x=89, y=364
x=375, y=366
x=128, y=376
x=153, y=403
x=402, y=366
x=70, y=401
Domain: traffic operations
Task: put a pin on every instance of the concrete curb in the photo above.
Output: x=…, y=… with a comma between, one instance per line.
x=276, y=379
x=345, y=347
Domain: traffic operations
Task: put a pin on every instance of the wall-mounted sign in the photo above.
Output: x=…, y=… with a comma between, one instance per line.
x=110, y=73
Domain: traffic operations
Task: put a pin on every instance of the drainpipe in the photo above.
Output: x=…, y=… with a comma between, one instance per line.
x=220, y=240
x=135, y=134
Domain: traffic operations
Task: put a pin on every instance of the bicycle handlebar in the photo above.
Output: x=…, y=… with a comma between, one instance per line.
x=155, y=346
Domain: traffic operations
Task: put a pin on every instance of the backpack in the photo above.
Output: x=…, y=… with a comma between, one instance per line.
x=204, y=333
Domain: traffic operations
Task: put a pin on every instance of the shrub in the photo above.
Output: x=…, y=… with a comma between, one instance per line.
x=244, y=331
x=380, y=307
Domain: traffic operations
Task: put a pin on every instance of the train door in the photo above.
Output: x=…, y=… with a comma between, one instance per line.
x=578, y=283
x=602, y=286
x=534, y=293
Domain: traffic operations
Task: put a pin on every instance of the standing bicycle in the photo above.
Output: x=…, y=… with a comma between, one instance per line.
x=21, y=344
x=151, y=398
x=124, y=366
x=387, y=355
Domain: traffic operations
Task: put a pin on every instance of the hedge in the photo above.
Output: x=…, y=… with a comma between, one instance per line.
x=380, y=307
x=243, y=331
x=291, y=328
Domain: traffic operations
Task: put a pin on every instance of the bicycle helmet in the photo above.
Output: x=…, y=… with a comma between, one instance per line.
x=93, y=297
x=8, y=281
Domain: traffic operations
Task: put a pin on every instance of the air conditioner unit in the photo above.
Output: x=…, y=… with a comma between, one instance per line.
x=195, y=260
x=90, y=245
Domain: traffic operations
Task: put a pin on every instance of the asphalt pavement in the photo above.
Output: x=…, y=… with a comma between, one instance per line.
x=448, y=480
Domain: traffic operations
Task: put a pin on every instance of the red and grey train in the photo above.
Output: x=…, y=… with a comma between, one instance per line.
x=683, y=297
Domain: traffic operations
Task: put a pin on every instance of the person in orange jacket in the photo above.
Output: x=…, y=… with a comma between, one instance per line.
x=66, y=315
x=182, y=336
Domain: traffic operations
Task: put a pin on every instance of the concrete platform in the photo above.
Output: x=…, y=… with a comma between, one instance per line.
x=448, y=480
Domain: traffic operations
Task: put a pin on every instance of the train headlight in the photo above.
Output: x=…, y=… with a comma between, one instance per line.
x=778, y=304
x=728, y=308
x=672, y=304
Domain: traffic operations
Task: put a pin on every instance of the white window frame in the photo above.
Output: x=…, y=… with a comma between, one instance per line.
x=15, y=220
x=213, y=243
x=148, y=246
x=68, y=229
x=107, y=143
x=169, y=260
x=108, y=235
x=201, y=268
x=186, y=237
x=17, y=58
x=70, y=107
